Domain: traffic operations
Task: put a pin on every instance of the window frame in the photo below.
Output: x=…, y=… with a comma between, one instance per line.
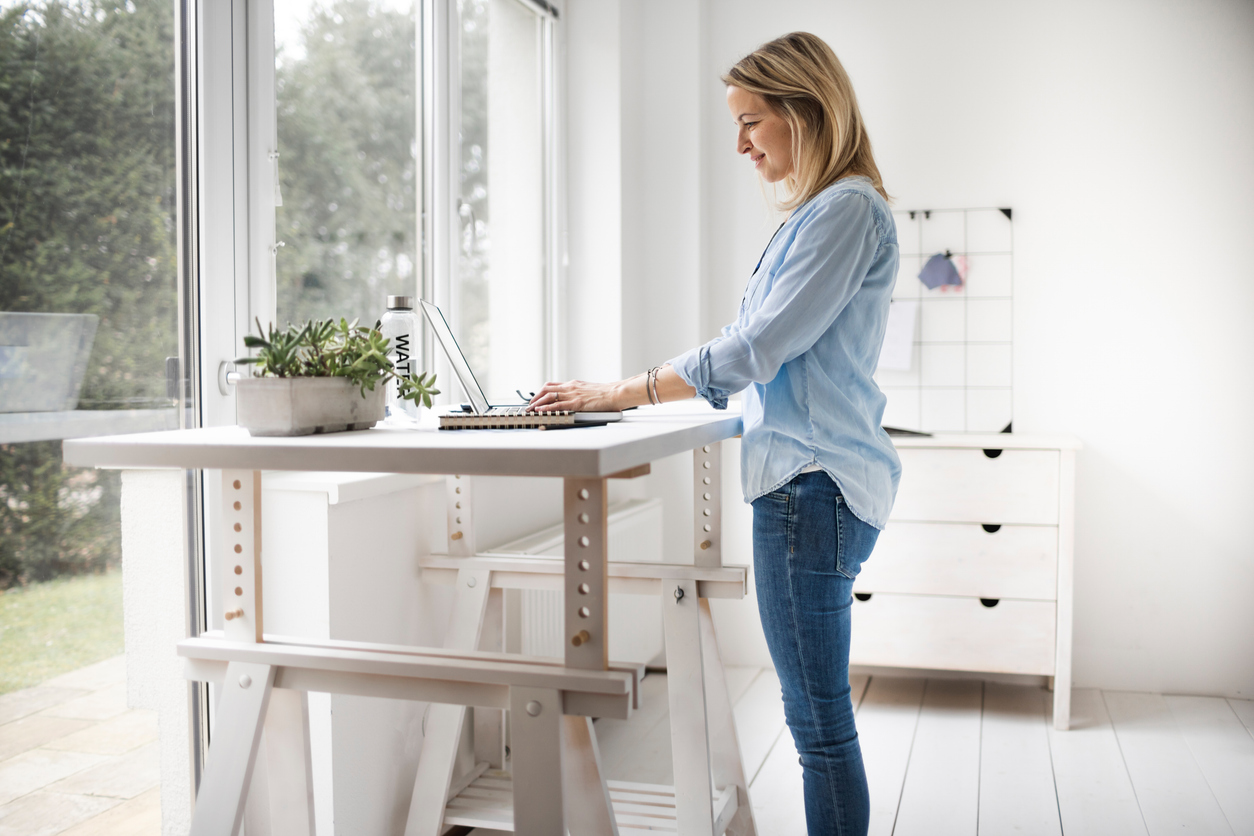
x=226, y=132
x=440, y=109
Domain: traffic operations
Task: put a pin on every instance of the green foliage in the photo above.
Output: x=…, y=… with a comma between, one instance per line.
x=349, y=166
x=325, y=348
x=53, y=628
x=417, y=388
x=54, y=520
x=87, y=164
x=87, y=203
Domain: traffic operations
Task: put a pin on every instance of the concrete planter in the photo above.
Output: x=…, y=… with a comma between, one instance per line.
x=306, y=405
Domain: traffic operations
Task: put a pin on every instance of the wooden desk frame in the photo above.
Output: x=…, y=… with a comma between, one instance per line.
x=710, y=794
x=557, y=784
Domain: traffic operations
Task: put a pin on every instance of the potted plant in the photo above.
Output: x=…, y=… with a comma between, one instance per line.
x=321, y=377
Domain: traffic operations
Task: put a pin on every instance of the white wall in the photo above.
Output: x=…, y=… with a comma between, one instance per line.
x=1122, y=133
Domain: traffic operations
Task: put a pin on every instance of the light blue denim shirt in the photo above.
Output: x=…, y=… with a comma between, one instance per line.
x=804, y=347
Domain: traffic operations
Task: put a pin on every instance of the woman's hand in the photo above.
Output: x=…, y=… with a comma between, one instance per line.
x=578, y=396
x=581, y=396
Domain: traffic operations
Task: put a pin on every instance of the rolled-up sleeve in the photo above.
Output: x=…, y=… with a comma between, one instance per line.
x=694, y=367
x=830, y=253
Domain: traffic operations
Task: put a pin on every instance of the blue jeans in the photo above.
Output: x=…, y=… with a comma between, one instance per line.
x=807, y=548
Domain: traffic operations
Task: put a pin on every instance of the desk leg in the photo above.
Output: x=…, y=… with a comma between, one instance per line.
x=239, y=550
x=536, y=734
x=443, y=734
x=707, y=505
x=289, y=765
x=588, y=808
x=587, y=574
x=686, y=690
x=724, y=744
x=241, y=713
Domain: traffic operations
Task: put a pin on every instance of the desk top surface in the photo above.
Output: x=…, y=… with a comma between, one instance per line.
x=644, y=435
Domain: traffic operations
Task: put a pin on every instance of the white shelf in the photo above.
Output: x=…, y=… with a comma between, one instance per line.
x=488, y=802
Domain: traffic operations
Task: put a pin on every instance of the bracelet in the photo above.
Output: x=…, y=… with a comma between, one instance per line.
x=650, y=385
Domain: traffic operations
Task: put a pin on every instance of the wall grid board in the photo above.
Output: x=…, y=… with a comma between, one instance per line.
x=961, y=375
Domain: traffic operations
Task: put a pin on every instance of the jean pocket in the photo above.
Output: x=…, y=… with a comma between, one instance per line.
x=781, y=495
x=854, y=540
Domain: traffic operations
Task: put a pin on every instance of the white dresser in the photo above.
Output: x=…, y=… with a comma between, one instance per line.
x=974, y=570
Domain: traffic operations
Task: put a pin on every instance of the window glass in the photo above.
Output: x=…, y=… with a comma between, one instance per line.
x=88, y=308
x=498, y=289
x=345, y=82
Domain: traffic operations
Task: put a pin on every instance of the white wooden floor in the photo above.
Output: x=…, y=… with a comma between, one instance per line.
x=943, y=756
x=947, y=756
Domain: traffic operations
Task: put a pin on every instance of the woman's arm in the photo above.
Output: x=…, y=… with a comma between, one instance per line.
x=832, y=250
x=580, y=396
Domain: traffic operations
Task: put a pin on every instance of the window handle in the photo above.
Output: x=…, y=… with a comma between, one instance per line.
x=227, y=377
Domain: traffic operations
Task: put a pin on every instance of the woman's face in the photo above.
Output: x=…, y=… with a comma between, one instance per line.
x=761, y=133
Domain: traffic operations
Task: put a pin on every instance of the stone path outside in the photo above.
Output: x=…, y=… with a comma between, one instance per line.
x=74, y=760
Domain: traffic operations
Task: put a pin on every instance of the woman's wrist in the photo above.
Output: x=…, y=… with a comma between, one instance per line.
x=631, y=392
x=666, y=385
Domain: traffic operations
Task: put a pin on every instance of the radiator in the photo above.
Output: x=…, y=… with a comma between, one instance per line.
x=635, y=621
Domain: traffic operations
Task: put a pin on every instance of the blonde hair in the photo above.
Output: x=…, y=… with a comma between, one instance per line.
x=803, y=82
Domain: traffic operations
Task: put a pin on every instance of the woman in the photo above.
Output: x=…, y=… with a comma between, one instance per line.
x=820, y=472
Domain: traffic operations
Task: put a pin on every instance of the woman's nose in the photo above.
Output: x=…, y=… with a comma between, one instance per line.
x=742, y=142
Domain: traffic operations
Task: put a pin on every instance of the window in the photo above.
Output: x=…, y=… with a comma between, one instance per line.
x=501, y=276
x=346, y=102
x=348, y=212
x=88, y=307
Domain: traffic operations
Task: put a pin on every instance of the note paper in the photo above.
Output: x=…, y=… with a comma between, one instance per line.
x=897, y=352
x=940, y=272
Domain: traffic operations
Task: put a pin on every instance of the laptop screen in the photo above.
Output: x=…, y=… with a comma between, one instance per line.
x=455, y=357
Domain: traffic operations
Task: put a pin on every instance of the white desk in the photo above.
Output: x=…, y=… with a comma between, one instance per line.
x=587, y=685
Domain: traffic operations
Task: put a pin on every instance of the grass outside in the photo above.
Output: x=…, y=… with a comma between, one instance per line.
x=51, y=628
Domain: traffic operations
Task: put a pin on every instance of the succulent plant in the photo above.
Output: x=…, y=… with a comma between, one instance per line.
x=325, y=348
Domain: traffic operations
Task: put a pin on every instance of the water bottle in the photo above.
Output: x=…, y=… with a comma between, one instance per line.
x=400, y=326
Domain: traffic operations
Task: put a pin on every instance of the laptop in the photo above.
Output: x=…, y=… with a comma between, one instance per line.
x=484, y=415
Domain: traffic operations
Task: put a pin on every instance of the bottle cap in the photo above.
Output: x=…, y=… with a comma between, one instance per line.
x=400, y=303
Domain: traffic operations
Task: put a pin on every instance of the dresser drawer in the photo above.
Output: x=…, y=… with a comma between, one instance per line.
x=950, y=633
x=1014, y=561
x=966, y=485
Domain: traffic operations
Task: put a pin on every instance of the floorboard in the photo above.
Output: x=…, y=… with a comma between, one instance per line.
x=1172, y=792
x=964, y=757
x=1245, y=710
x=886, y=719
x=1223, y=750
x=857, y=689
x=777, y=794
x=739, y=678
x=1016, y=776
x=1095, y=796
x=941, y=791
x=759, y=716
x=639, y=749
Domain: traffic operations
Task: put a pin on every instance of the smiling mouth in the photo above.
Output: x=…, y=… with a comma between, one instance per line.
x=758, y=160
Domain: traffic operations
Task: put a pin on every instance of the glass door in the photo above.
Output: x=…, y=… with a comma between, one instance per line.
x=89, y=310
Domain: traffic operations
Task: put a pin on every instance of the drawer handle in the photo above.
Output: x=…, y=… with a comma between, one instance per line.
x=990, y=602
x=862, y=596
x=992, y=454
x=990, y=528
